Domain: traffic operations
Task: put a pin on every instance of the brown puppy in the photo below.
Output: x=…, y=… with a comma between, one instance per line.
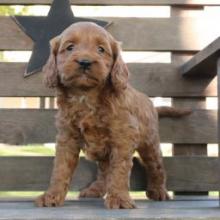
x=100, y=113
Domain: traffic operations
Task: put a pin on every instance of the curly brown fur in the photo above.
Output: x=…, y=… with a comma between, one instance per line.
x=101, y=114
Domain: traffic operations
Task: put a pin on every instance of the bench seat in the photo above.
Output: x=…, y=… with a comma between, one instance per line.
x=86, y=209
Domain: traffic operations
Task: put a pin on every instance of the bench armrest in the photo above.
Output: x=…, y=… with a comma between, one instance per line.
x=204, y=63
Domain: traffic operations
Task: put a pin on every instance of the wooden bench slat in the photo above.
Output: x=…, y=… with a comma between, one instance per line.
x=144, y=33
x=183, y=173
x=113, y=2
x=37, y=126
x=204, y=63
x=195, y=208
x=152, y=79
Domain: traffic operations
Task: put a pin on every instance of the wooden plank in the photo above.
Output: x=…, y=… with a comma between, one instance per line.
x=37, y=126
x=193, y=129
x=192, y=208
x=144, y=33
x=156, y=80
x=187, y=149
x=89, y=209
x=152, y=79
x=190, y=149
x=113, y=2
x=33, y=173
x=204, y=63
x=42, y=102
x=218, y=75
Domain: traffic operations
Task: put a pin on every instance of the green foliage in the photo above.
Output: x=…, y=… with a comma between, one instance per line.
x=29, y=150
x=6, y=10
x=23, y=11
x=1, y=56
x=13, y=10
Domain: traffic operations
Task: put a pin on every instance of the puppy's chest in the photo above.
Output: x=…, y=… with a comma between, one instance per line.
x=92, y=122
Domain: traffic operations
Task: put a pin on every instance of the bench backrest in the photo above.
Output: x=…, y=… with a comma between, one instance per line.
x=185, y=30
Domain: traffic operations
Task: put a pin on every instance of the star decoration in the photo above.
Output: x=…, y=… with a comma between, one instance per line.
x=42, y=29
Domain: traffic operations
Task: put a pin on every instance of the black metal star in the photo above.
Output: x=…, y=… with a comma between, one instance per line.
x=42, y=29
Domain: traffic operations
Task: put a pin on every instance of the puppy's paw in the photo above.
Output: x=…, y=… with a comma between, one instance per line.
x=91, y=193
x=119, y=202
x=158, y=194
x=50, y=200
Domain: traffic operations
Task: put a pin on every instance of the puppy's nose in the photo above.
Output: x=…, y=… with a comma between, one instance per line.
x=85, y=64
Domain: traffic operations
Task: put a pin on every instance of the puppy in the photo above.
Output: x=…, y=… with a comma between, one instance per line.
x=101, y=114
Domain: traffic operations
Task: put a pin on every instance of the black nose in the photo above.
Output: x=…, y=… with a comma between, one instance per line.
x=85, y=64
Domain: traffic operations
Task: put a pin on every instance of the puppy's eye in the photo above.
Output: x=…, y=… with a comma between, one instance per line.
x=70, y=47
x=101, y=49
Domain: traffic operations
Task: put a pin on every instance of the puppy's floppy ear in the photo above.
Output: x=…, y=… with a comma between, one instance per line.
x=50, y=68
x=119, y=73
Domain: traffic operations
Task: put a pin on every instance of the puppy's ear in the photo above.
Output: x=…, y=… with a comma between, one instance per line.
x=119, y=73
x=50, y=68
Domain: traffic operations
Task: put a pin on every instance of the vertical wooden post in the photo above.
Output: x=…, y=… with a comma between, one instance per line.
x=42, y=102
x=194, y=103
x=218, y=78
x=51, y=102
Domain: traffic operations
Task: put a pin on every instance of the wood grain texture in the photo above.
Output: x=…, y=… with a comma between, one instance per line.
x=183, y=173
x=153, y=79
x=114, y=2
x=193, y=208
x=37, y=126
x=136, y=33
x=199, y=127
x=204, y=63
x=218, y=74
x=187, y=149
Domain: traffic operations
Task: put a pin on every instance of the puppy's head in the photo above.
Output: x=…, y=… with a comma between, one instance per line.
x=85, y=56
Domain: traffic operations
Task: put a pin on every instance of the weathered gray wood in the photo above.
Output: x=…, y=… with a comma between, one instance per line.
x=183, y=173
x=189, y=102
x=204, y=63
x=144, y=33
x=52, y=103
x=187, y=149
x=179, y=58
x=218, y=75
x=37, y=126
x=186, y=10
x=42, y=102
x=114, y=2
x=90, y=209
x=218, y=121
x=152, y=79
x=165, y=80
x=190, y=149
x=188, y=129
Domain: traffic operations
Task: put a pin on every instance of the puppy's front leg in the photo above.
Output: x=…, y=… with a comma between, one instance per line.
x=118, y=180
x=67, y=154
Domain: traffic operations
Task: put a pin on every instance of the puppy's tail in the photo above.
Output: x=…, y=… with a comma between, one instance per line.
x=165, y=111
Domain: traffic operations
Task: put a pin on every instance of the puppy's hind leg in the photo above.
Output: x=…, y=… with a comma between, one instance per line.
x=152, y=161
x=97, y=189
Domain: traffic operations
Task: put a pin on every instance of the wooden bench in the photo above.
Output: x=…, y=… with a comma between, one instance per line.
x=190, y=171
